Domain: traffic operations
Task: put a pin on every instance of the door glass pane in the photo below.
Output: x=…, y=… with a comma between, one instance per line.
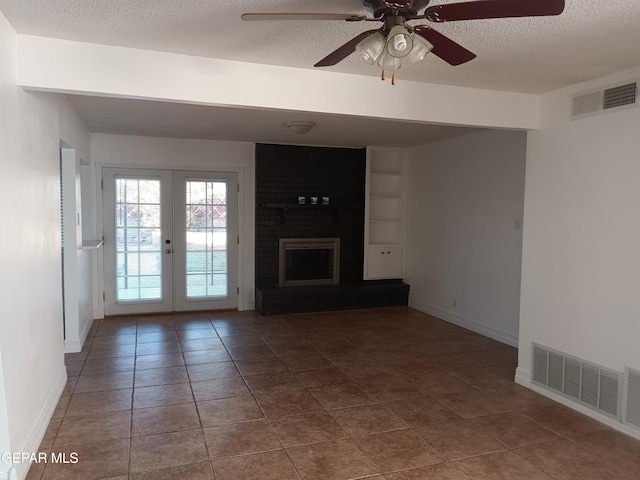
x=206, y=230
x=138, y=242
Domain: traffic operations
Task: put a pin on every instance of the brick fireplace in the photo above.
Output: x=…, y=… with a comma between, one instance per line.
x=312, y=193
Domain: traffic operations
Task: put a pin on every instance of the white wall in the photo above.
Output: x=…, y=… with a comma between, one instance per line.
x=31, y=345
x=581, y=248
x=463, y=196
x=180, y=154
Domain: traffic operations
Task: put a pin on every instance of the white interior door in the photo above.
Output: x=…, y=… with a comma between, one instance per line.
x=170, y=241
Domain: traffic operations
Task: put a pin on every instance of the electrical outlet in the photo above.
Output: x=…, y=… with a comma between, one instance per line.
x=517, y=223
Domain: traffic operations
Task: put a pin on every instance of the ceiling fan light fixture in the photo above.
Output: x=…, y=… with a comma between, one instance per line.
x=387, y=62
x=399, y=42
x=371, y=48
x=421, y=48
x=300, y=127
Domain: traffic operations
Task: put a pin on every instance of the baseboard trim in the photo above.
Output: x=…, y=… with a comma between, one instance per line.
x=75, y=346
x=464, y=322
x=523, y=377
x=40, y=428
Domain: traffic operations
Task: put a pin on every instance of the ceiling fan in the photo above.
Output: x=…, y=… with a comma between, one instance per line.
x=396, y=39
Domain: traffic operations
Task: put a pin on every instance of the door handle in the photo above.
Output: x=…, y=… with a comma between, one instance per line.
x=168, y=251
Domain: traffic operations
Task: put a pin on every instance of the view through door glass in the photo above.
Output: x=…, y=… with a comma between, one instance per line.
x=138, y=239
x=206, y=229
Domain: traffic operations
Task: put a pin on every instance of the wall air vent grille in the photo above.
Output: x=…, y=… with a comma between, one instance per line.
x=620, y=96
x=604, y=100
x=631, y=415
x=586, y=383
x=586, y=104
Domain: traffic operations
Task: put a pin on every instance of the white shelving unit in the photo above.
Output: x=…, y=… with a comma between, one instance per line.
x=384, y=213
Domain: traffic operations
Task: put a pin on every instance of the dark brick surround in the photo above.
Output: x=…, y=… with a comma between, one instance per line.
x=285, y=172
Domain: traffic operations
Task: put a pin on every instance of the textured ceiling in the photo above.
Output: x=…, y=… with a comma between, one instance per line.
x=591, y=38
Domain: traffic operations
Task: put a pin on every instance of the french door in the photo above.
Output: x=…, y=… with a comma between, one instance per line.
x=170, y=240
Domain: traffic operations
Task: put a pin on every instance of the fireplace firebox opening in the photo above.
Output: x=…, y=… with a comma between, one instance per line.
x=309, y=261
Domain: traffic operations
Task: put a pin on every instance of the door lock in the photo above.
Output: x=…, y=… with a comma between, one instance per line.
x=168, y=251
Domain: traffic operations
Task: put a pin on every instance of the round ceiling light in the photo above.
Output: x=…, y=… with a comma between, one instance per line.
x=301, y=127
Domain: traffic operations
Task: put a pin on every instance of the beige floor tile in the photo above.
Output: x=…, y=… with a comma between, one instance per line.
x=159, y=395
x=212, y=371
x=201, y=344
x=342, y=395
x=422, y=412
x=158, y=348
x=460, y=439
x=220, y=388
x=159, y=360
x=322, y=377
x=93, y=428
x=206, y=356
x=366, y=419
x=307, y=428
x=472, y=404
x=564, y=460
x=167, y=450
x=262, y=366
x=195, y=471
x=441, y=471
x=515, y=430
x=392, y=451
x=614, y=448
x=228, y=410
x=264, y=466
x=273, y=383
x=334, y=460
x=96, y=353
x=94, y=461
x=564, y=421
x=104, y=381
x=241, y=439
x=165, y=419
x=161, y=376
x=501, y=466
x=97, y=403
x=288, y=402
x=306, y=361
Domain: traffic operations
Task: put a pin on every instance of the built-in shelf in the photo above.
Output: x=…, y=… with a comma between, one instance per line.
x=384, y=213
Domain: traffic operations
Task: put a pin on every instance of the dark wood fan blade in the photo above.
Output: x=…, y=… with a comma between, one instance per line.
x=444, y=47
x=483, y=9
x=302, y=16
x=344, y=51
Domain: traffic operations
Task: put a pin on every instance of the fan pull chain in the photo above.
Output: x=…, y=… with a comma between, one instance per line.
x=393, y=77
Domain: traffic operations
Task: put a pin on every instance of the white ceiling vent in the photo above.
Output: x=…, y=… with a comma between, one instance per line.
x=631, y=415
x=588, y=384
x=614, y=98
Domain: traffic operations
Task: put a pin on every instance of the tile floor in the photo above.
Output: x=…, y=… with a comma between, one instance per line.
x=388, y=394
